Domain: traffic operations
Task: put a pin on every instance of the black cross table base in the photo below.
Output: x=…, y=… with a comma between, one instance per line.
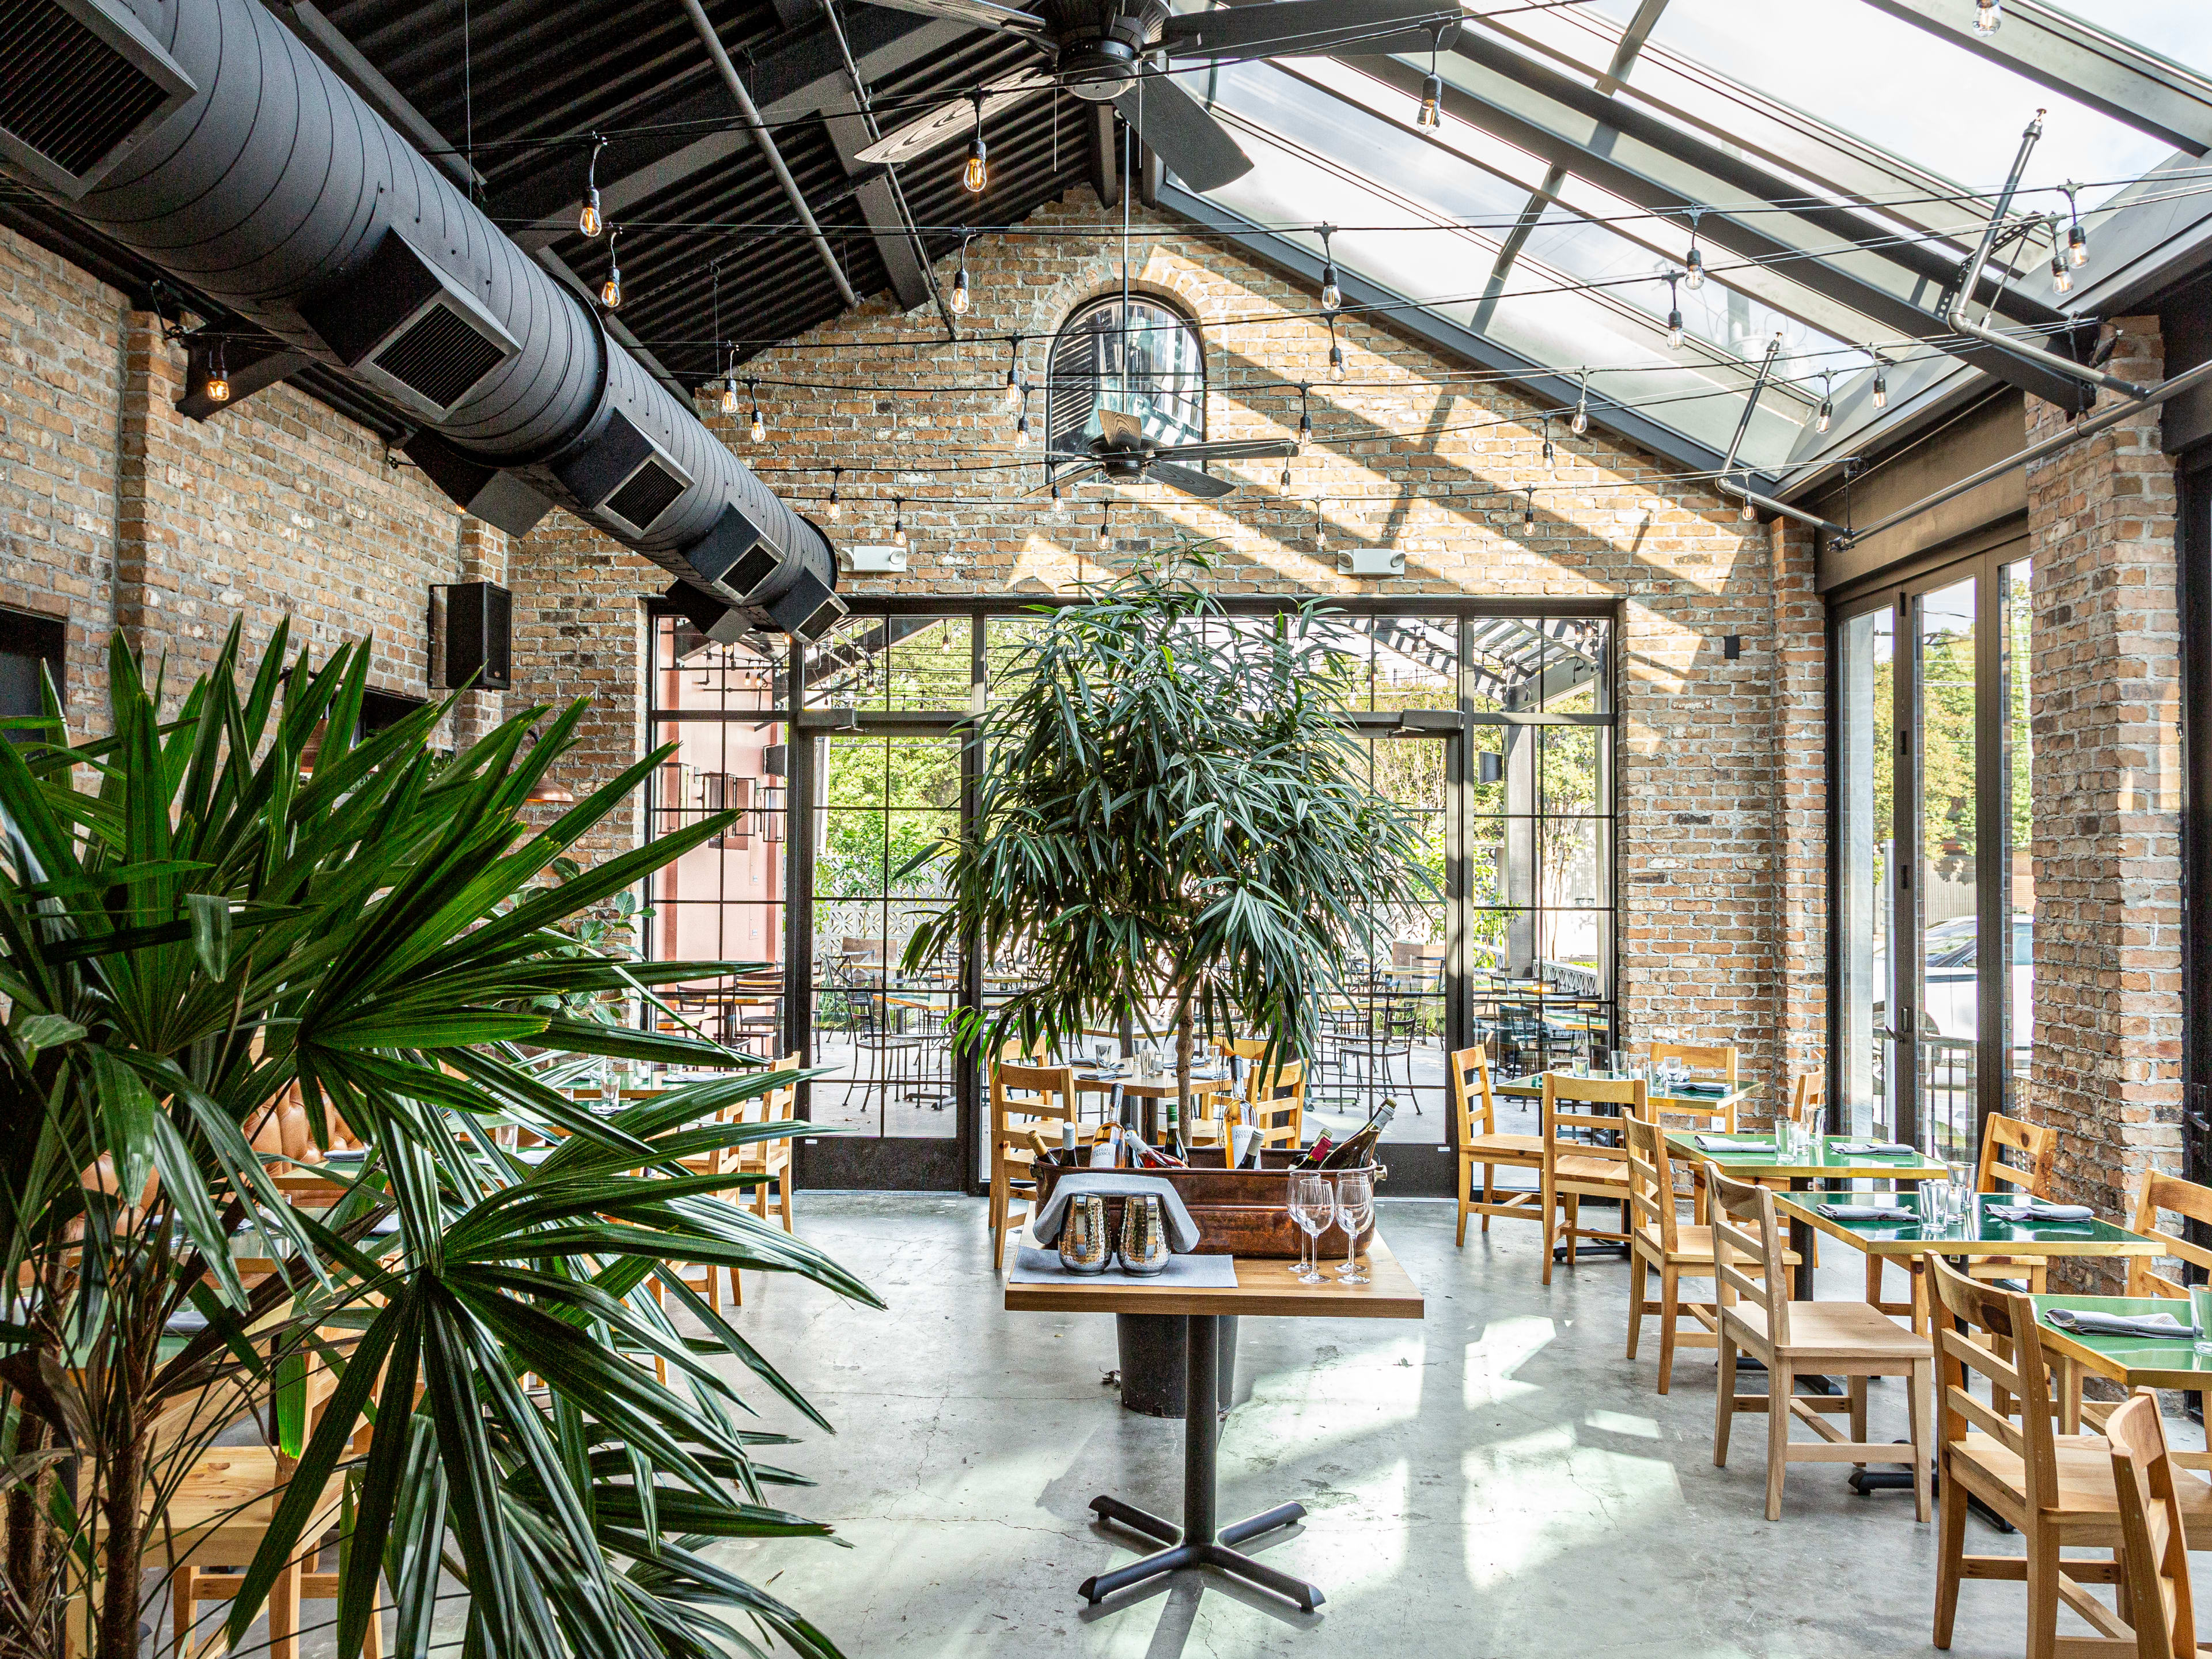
x=1196, y=1543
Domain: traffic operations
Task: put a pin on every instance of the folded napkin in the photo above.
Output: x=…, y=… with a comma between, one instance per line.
x=1182, y=1232
x=2084, y=1321
x=1866, y=1212
x=1701, y=1091
x=1874, y=1148
x=2035, y=1209
x=1733, y=1142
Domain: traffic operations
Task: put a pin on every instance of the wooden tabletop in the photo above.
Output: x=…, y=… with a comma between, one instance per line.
x=1752, y=1155
x=1982, y=1235
x=1159, y=1088
x=1264, y=1288
x=1532, y=1088
x=2134, y=1362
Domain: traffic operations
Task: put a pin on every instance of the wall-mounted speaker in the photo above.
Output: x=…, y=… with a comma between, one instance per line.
x=479, y=637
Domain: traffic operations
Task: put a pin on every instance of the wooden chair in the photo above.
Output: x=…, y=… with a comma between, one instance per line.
x=2037, y=1147
x=768, y=1163
x=1719, y=1060
x=1024, y=1098
x=1479, y=1143
x=1809, y=1102
x=2154, y=1543
x=2162, y=1192
x=1275, y=1105
x=1577, y=1162
x=1660, y=1241
x=1792, y=1338
x=2058, y=1490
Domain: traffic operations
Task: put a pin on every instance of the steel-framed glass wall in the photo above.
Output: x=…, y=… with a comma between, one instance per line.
x=1491, y=726
x=1932, y=975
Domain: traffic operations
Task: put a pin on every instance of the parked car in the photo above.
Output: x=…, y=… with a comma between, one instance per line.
x=1950, y=980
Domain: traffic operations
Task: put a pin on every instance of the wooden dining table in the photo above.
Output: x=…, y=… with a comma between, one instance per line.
x=1720, y=1107
x=2133, y=1362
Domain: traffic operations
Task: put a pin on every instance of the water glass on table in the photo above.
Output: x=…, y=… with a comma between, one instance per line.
x=1313, y=1206
x=1939, y=1202
x=2200, y=1315
x=1355, y=1208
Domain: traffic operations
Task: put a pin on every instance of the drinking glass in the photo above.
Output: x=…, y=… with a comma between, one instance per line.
x=1355, y=1208
x=1939, y=1202
x=1313, y=1206
x=2200, y=1315
x=1104, y=1048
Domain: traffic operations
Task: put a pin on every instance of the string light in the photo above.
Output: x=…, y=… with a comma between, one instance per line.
x=1335, y=351
x=960, y=280
x=1673, y=312
x=1305, y=424
x=1016, y=392
x=588, y=222
x=1580, y=425
x=2061, y=279
x=1881, y=380
x=1826, y=417
x=1551, y=455
x=218, y=382
x=836, y=507
x=1059, y=508
x=1693, y=275
x=1106, y=525
x=1748, y=513
x=611, y=290
x=1989, y=16
x=1528, y=511
x=1021, y=426
x=1284, y=480
x=1430, y=116
x=1321, y=530
x=2077, y=239
x=1332, y=295
x=976, y=177
x=759, y=426
x=898, y=522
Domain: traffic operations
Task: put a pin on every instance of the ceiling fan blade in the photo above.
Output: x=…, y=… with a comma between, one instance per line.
x=1289, y=28
x=1119, y=431
x=1073, y=476
x=1182, y=133
x=1190, y=480
x=984, y=14
x=955, y=120
x=1237, y=449
x=1069, y=458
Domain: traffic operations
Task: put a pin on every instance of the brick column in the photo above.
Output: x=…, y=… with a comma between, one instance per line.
x=2105, y=696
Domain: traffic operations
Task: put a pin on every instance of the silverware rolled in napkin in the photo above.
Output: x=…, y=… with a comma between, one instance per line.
x=1143, y=1236
x=1874, y=1148
x=2086, y=1322
x=1083, y=1246
x=2036, y=1211
x=1866, y=1212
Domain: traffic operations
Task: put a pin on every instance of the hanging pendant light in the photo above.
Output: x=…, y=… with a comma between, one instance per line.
x=611, y=290
x=976, y=177
x=1014, y=389
x=1989, y=16
x=1021, y=426
x=1335, y=352
x=837, y=508
x=218, y=381
x=1528, y=511
x=1059, y=508
x=1580, y=424
x=960, y=300
x=588, y=222
x=759, y=429
x=1431, y=113
x=898, y=522
x=1826, y=417
x=1881, y=383
x=1673, y=311
x=1332, y=294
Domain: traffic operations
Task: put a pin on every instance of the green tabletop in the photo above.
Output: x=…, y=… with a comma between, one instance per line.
x=1532, y=1088
x=2135, y=1361
x=1753, y=1155
x=1978, y=1234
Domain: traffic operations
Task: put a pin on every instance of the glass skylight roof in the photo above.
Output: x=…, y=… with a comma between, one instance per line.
x=1827, y=137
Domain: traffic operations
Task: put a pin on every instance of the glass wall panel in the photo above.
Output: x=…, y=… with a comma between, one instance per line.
x=1945, y=904
x=2018, y=871
x=1866, y=673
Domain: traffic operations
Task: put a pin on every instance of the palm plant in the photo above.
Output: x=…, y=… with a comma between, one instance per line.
x=192, y=929
x=1173, y=815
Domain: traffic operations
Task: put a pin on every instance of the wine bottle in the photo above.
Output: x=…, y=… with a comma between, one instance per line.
x=1360, y=1149
x=1315, y=1153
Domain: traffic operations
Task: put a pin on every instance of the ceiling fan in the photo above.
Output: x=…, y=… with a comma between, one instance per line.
x=1105, y=51
x=1122, y=453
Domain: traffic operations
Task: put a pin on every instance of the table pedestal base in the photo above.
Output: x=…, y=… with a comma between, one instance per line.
x=1196, y=1543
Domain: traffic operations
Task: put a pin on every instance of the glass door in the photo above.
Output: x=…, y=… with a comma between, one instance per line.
x=1866, y=742
x=1940, y=878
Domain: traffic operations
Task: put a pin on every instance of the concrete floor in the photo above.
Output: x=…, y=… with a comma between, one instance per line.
x=1494, y=1481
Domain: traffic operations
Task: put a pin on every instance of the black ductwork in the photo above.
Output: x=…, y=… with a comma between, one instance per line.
x=248, y=170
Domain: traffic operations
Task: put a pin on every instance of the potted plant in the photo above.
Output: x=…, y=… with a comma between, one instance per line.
x=1174, y=824
x=460, y=1348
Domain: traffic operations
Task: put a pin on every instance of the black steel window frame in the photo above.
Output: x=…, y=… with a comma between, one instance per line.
x=2193, y=573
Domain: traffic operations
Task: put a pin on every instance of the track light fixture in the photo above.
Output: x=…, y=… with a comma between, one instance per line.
x=611, y=290
x=759, y=430
x=1580, y=424
x=588, y=222
x=2077, y=239
x=218, y=381
x=1989, y=16
x=960, y=280
x=1335, y=351
x=898, y=522
x=837, y=508
x=1430, y=114
x=1673, y=311
x=976, y=177
x=1331, y=295
x=1826, y=417
x=1693, y=273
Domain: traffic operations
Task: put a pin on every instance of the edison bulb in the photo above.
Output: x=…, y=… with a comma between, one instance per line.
x=611, y=291
x=759, y=427
x=976, y=177
x=960, y=292
x=1430, y=116
x=729, y=397
x=588, y=222
x=1693, y=273
x=218, y=388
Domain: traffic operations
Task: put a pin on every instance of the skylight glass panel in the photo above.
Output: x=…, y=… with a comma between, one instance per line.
x=1909, y=90
x=2179, y=31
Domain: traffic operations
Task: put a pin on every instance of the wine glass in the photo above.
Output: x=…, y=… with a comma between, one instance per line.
x=1313, y=1206
x=1355, y=1208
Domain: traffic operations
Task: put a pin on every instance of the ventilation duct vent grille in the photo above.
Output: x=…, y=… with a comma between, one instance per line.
x=645, y=495
x=73, y=95
x=755, y=568
x=438, y=356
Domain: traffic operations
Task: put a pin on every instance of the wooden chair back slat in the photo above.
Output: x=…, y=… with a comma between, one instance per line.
x=1275, y=1105
x=1745, y=1235
x=2005, y=1318
x=2153, y=1547
x=1651, y=1180
x=2161, y=1194
x=1568, y=1133
x=2036, y=1143
x=1472, y=1103
x=1719, y=1057
x=1809, y=1101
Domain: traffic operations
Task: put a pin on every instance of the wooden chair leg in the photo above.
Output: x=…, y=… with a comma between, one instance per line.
x=1550, y=1203
x=2043, y=1572
x=1919, y=1408
x=1466, y=1186
x=1858, y=1398
x=783, y=1198
x=1873, y=1279
x=1780, y=1385
x=1950, y=1550
x=1637, y=1267
x=284, y=1613
x=1724, y=1404
x=1574, y=1225
x=1489, y=1191
x=181, y=1609
x=1670, y=1294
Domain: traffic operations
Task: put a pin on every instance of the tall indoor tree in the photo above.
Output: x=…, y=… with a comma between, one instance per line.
x=199, y=928
x=1173, y=820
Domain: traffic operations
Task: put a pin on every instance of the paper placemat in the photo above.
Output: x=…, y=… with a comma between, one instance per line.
x=1032, y=1266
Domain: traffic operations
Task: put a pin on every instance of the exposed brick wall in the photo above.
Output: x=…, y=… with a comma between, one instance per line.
x=1798, y=710
x=2105, y=696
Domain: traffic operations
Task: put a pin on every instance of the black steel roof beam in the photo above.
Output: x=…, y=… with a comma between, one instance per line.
x=804, y=75
x=1899, y=290
x=2110, y=74
x=324, y=41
